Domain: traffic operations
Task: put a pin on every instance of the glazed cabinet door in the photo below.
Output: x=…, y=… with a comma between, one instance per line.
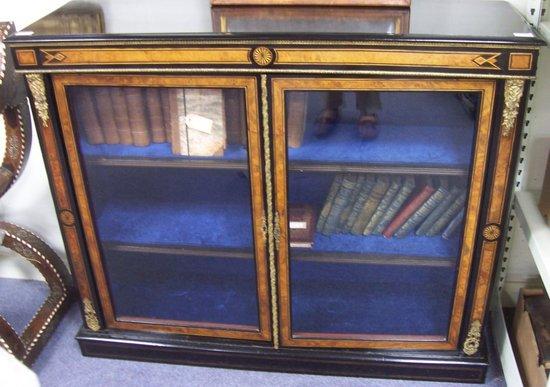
x=168, y=177
x=378, y=187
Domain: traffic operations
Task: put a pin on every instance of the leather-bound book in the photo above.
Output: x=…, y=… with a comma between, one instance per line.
x=166, y=115
x=87, y=116
x=106, y=114
x=301, y=223
x=205, y=122
x=400, y=198
x=409, y=209
x=362, y=197
x=438, y=211
x=328, y=202
x=375, y=196
x=340, y=202
x=454, y=225
x=344, y=216
x=395, y=184
x=296, y=103
x=121, y=115
x=154, y=109
x=235, y=117
x=448, y=215
x=424, y=210
x=137, y=115
x=179, y=139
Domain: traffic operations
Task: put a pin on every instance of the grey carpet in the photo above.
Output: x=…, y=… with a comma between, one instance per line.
x=61, y=364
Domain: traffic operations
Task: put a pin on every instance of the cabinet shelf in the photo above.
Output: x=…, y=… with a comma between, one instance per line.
x=306, y=255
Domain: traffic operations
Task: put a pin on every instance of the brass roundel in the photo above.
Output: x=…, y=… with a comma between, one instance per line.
x=66, y=217
x=491, y=232
x=262, y=56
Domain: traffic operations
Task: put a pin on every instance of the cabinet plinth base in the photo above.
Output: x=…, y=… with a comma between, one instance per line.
x=423, y=365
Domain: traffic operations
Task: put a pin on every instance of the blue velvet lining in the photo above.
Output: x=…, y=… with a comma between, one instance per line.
x=158, y=150
x=208, y=208
x=335, y=298
x=187, y=288
x=428, y=128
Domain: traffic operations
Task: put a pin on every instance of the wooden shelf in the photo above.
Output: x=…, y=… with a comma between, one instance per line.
x=296, y=255
x=166, y=163
x=536, y=230
x=377, y=168
x=294, y=167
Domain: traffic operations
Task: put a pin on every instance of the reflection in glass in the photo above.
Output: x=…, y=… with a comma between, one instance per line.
x=170, y=192
x=374, y=253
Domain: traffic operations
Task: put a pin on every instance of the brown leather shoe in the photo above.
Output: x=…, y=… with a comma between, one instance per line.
x=326, y=122
x=366, y=127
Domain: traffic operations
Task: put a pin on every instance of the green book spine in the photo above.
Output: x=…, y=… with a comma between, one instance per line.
x=423, y=211
x=438, y=212
x=342, y=226
x=448, y=215
x=339, y=204
x=395, y=185
x=376, y=195
x=360, y=201
x=328, y=202
x=454, y=225
x=400, y=198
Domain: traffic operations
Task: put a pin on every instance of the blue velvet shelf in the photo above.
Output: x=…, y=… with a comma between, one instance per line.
x=158, y=150
x=416, y=129
x=228, y=226
x=389, y=300
x=423, y=130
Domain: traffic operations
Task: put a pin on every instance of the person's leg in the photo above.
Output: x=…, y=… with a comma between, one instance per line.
x=368, y=104
x=328, y=117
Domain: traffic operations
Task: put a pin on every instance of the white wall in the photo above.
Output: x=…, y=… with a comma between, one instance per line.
x=29, y=203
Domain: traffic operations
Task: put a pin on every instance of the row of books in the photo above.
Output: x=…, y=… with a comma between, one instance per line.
x=393, y=206
x=194, y=121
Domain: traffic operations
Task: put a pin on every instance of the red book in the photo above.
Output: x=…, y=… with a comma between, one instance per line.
x=408, y=209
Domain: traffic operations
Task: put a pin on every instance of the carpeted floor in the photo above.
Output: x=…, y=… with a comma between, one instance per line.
x=61, y=364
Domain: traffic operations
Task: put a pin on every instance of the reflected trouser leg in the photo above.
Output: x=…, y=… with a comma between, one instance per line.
x=367, y=102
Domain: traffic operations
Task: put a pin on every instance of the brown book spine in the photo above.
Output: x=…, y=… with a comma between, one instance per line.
x=179, y=143
x=156, y=122
x=121, y=115
x=234, y=117
x=409, y=209
x=87, y=116
x=166, y=114
x=137, y=116
x=296, y=118
x=106, y=115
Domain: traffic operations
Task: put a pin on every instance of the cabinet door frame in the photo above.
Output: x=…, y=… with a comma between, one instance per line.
x=478, y=170
x=249, y=85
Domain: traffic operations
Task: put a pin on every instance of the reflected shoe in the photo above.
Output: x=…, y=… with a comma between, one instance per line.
x=326, y=122
x=366, y=127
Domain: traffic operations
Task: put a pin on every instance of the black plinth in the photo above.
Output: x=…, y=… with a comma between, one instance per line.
x=421, y=365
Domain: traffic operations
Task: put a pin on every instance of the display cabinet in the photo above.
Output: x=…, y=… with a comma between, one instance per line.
x=325, y=198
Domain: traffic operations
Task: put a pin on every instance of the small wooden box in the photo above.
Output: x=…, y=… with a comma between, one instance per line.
x=532, y=333
x=544, y=202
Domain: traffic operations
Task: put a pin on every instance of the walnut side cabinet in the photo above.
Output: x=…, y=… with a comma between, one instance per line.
x=330, y=202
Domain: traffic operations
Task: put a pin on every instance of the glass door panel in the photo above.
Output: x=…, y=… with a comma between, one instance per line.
x=171, y=201
x=376, y=211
